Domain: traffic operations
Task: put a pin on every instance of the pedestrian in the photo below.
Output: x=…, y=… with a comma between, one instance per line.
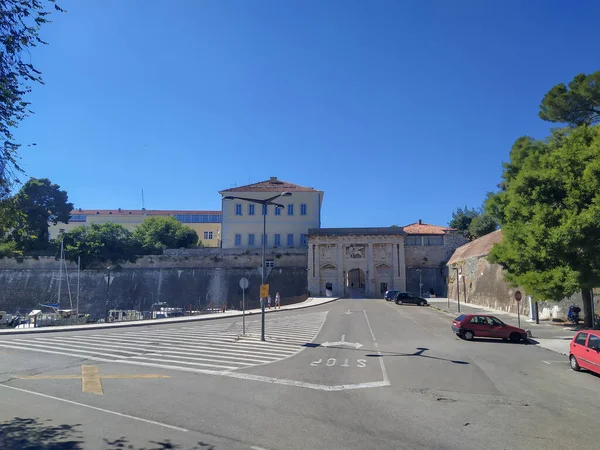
x=269, y=302
x=277, y=301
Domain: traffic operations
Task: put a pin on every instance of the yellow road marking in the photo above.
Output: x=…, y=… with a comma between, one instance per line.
x=91, y=379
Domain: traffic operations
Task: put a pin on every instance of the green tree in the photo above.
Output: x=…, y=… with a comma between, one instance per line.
x=576, y=105
x=20, y=22
x=39, y=202
x=461, y=220
x=160, y=232
x=100, y=244
x=551, y=226
x=481, y=225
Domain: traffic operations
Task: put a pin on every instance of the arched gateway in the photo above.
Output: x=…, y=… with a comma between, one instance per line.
x=356, y=262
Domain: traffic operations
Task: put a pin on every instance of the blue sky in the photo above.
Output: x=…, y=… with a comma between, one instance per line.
x=398, y=110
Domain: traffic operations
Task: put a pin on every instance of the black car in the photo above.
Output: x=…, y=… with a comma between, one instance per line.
x=390, y=295
x=406, y=297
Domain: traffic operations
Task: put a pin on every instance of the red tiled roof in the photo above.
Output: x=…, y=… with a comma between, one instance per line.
x=478, y=247
x=138, y=212
x=425, y=228
x=271, y=185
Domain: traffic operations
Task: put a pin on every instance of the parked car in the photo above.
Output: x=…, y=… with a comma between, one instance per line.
x=468, y=326
x=585, y=351
x=407, y=297
x=390, y=295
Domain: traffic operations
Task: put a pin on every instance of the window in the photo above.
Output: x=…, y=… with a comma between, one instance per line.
x=495, y=322
x=277, y=211
x=413, y=240
x=251, y=240
x=238, y=209
x=78, y=218
x=264, y=239
x=594, y=342
x=238, y=240
x=265, y=210
x=303, y=209
x=290, y=240
x=478, y=320
x=251, y=209
x=277, y=239
x=269, y=263
x=199, y=218
x=433, y=240
x=208, y=235
x=303, y=240
x=290, y=210
x=581, y=338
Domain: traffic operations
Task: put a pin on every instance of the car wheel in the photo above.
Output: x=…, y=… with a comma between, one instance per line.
x=398, y=302
x=574, y=363
x=514, y=337
x=421, y=303
x=468, y=335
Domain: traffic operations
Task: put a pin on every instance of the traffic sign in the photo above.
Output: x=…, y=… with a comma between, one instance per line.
x=244, y=283
x=264, y=290
x=518, y=296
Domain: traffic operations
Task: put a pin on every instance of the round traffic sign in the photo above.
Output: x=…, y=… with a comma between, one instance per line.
x=518, y=296
x=244, y=283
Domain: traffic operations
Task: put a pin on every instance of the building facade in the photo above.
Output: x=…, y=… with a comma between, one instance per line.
x=365, y=262
x=286, y=227
x=206, y=223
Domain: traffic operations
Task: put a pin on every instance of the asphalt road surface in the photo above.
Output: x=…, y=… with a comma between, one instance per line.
x=352, y=374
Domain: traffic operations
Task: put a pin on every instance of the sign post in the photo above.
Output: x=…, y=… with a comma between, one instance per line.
x=518, y=297
x=244, y=286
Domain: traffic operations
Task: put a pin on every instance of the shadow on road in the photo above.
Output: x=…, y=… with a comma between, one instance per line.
x=37, y=434
x=418, y=353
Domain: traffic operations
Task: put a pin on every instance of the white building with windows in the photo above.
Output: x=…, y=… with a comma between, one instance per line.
x=287, y=227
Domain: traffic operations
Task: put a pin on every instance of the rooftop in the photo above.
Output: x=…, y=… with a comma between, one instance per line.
x=478, y=247
x=393, y=231
x=425, y=228
x=271, y=185
x=138, y=212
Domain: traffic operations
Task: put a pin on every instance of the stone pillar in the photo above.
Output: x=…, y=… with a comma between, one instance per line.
x=340, y=270
x=395, y=268
x=370, y=271
x=402, y=266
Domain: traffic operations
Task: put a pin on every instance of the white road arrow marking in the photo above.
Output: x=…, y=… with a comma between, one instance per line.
x=356, y=345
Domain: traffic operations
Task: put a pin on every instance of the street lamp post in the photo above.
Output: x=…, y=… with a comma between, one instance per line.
x=264, y=203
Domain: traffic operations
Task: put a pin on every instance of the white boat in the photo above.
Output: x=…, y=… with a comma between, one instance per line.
x=37, y=318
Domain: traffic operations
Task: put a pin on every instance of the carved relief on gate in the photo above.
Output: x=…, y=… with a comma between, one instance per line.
x=382, y=253
x=356, y=251
x=328, y=253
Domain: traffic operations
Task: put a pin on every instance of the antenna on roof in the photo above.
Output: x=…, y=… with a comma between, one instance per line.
x=143, y=201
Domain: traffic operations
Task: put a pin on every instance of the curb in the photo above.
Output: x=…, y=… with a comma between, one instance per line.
x=141, y=323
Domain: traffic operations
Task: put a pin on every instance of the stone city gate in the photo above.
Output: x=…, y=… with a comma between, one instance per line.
x=356, y=262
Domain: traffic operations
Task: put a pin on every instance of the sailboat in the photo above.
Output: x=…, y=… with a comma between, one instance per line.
x=57, y=316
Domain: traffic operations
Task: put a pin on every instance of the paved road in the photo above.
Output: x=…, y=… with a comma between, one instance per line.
x=353, y=374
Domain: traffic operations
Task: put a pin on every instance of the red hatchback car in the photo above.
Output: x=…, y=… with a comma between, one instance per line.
x=585, y=351
x=467, y=326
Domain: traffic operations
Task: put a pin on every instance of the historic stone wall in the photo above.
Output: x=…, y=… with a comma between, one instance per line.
x=484, y=285
x=187, y=278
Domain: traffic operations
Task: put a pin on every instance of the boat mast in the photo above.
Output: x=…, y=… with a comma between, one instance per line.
x=60, y=270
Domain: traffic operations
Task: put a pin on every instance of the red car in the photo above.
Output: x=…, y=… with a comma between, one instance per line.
x=585, y=351
x=467, y=326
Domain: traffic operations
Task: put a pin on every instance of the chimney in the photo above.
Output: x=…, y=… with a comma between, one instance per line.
x=420, y=222
x=273, y=179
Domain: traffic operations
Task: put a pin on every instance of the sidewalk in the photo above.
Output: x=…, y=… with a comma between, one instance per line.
x=551, y=336
x=309, y=302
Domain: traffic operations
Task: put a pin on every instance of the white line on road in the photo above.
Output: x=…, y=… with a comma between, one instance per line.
x=370, y=329
x=152, y=422
x=383, y=370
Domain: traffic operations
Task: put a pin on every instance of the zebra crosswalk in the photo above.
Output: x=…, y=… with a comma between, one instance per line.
x=210, y=347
